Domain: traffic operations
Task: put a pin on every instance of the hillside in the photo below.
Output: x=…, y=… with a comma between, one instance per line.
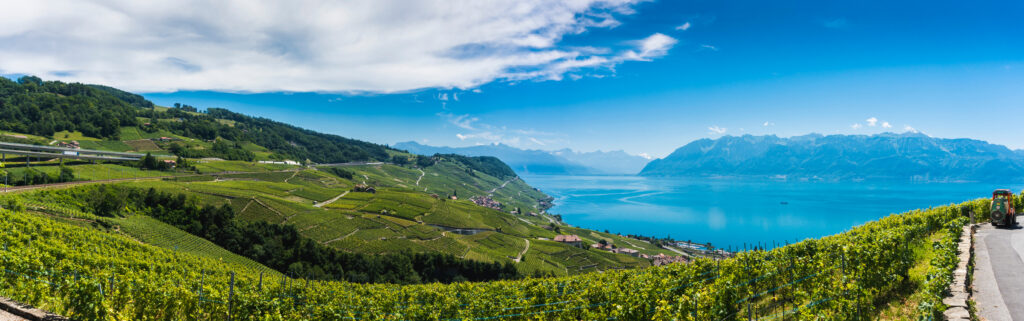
x=123, y=121
x=470, y=217
x=846, y=157
x=560, y=162
x=73, y=268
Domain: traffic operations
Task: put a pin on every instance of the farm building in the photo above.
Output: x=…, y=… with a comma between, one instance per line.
x=573, y=240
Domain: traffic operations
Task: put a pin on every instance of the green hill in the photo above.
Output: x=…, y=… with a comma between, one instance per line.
x=422, y=205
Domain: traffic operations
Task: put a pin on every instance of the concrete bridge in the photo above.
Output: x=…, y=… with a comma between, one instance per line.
x=50, y=152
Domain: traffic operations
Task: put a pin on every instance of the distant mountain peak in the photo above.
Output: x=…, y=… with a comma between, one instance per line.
x=909, y=155
x=532, y=161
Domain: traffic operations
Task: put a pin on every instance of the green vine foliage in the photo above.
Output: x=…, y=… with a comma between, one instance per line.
x=940, y=272
x=93, y=275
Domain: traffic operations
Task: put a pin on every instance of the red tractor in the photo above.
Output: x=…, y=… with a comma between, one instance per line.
x=1002, y=208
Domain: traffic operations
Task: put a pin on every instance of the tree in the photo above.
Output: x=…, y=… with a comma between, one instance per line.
x=66, y=174
x=108, y=202
x=182, y=163
x=24, y=80
x=148, y=162
x=399, y=160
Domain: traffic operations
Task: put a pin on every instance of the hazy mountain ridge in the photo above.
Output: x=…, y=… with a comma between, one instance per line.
x=524, y=161
x=888, y=155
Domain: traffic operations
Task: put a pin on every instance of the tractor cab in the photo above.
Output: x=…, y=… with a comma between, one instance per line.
x=1002, y=208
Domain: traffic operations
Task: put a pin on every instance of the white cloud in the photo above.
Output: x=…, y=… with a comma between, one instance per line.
x=485, y=134
x=309, y=45
x=872, y=121
x=856, y=126
x=645, y=155
x=708, y=47
x=907, y=128
x=489, y=136
x=886, y=124
x=656, y=45
x=462, y=121
x=684, y=26
x=768, y=124
x=717, y=130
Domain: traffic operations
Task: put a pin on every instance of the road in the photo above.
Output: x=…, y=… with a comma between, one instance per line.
x=321, y=204
x=117, y=180
x=500, y=187
x=69, y=184
x=520, y=257
x=999, y=273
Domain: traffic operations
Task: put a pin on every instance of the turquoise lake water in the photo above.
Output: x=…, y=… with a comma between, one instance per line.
x=731, y=212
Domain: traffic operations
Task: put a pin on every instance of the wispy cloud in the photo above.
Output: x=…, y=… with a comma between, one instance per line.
x=768, y=124
x=717, y=130
x=462, y=121
x=886, y=124
x=259, y=46
x=708, y=47
x=907, y=128
x=872, y=121
x=645, y=155
x=481, y=133
x=683, y=27
x=856, y=126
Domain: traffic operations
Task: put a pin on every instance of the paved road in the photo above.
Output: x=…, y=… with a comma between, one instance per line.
x=999, y=273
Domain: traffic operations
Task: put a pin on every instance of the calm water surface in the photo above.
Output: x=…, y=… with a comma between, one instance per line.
x=730, y=212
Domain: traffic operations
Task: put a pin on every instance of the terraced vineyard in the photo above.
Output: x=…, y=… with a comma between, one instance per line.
x=93, y=275
x=391, y=220
x=155, y=232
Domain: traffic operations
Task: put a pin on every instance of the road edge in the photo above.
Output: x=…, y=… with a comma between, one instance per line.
x=28, y=312
x=959, y=294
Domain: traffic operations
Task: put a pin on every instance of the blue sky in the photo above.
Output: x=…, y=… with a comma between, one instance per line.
x=644, y=77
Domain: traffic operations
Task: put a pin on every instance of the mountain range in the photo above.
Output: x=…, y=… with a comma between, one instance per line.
x=912, y=156
x=560, y=162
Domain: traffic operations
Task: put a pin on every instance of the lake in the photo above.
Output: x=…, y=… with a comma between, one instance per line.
x=731, y=212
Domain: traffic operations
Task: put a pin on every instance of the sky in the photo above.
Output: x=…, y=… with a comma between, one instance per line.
x=642, y=76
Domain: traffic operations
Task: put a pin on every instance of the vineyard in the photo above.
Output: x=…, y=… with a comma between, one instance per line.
x=92, y=275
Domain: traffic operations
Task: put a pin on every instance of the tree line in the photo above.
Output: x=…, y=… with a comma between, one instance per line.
x=42, y=108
